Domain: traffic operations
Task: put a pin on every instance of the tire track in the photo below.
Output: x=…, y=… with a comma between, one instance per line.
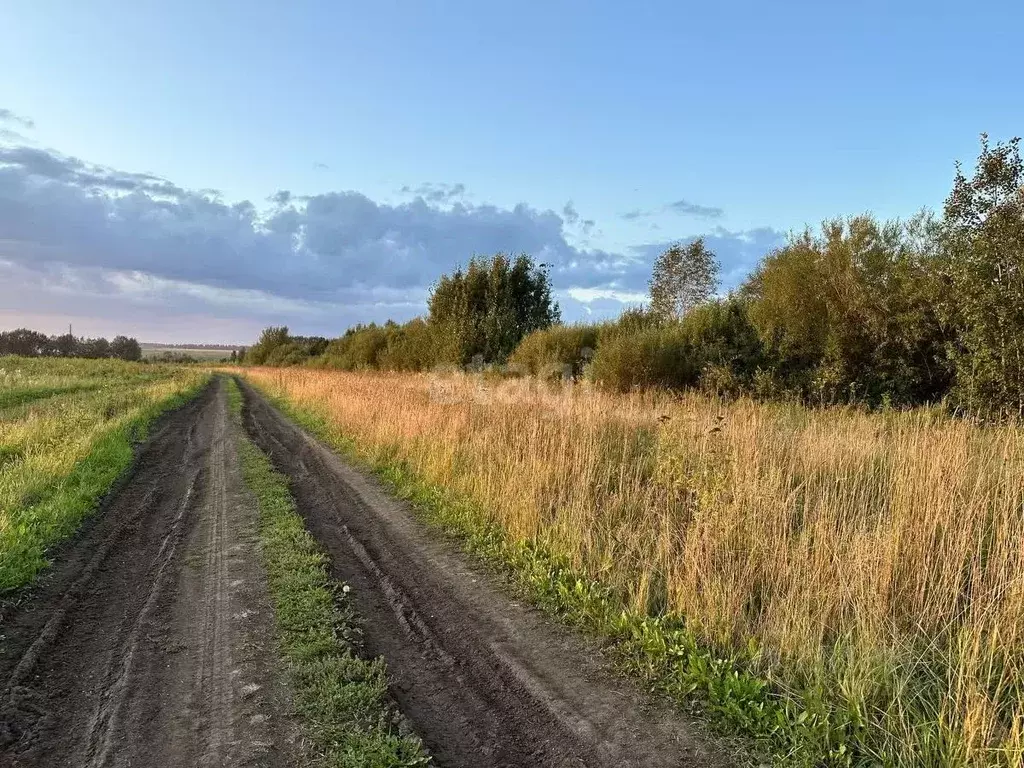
x=150, y=643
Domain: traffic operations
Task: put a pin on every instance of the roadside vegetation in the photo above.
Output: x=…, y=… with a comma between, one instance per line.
x=800, y=503
x=67, y=431
x=341, y=698
x=841, y=584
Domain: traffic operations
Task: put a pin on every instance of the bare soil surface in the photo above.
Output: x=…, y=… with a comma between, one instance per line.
x=150, y=641
x=484, y=680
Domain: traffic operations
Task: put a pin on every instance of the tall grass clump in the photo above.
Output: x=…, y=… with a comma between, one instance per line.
x=866, y=567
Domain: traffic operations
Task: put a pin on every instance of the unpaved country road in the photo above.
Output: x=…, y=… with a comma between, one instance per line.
x=150, y=642
x=486, y=682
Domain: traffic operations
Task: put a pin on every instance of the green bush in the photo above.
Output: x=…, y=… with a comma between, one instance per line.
x=359, y=349
x=556, y=350
x=409, y=347
x=655, y=356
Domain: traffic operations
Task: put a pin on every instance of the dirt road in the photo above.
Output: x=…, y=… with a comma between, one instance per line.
x=485, y=681
x=147, y=643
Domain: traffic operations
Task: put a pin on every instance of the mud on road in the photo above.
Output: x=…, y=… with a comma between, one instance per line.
x=149, y=642
x=485, y=681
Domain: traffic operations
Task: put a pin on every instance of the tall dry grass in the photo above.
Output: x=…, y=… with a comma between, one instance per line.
x=876, y=559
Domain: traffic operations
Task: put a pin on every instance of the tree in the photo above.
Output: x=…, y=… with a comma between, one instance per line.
x=94, y=348
x=63, y=346
x=486, y=310
x=23, y=342
x=983, y=249
x=851, y=313
x=125, y=348
x=270, y=339
x=684, y=276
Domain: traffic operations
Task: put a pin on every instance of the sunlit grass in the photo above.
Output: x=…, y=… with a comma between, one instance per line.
x=867, y=566
x=66, y=433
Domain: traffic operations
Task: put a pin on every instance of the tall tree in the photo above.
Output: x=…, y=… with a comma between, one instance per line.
x=851, y=313
x=983, y=244
x=24, y=342
x=125, y=348
x=684, y=276
x=270, y=339
x=483, y=312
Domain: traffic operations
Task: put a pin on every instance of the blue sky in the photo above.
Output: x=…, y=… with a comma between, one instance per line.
x=411, y=134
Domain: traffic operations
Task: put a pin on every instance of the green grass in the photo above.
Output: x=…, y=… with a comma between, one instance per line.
x=67, y=432
x=662, y=652
x=342, y=699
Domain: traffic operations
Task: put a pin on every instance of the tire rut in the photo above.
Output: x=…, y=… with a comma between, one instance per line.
x=149, y=642
x=485, y=681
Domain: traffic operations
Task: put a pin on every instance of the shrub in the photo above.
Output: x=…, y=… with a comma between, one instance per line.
x=409, y=347
x=656, y=356
x=555, y=350
x=359, y=349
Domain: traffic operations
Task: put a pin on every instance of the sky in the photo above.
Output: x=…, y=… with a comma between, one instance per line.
x=195, y=171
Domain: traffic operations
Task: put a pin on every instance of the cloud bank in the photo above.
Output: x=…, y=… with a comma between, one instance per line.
x=77, y=239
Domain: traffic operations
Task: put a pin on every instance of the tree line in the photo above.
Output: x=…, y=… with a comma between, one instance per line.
x=29, y=343
x=883, y=313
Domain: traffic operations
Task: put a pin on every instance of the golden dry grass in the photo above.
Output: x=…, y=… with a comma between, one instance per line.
x=876, y=559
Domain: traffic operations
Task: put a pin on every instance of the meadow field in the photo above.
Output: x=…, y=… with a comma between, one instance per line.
x=67, y=429
x=846, y=586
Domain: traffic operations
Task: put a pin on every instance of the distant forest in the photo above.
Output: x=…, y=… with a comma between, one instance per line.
x=28, y=343
x=884, y=314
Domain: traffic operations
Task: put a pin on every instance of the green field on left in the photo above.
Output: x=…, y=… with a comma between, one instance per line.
x=68, y=428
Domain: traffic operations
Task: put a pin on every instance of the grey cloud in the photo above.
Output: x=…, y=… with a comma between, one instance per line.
x=55, y=209
x=685, y=207
x=11, y=136
x=44, y=164
x=7, y=116
x=570, y=214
